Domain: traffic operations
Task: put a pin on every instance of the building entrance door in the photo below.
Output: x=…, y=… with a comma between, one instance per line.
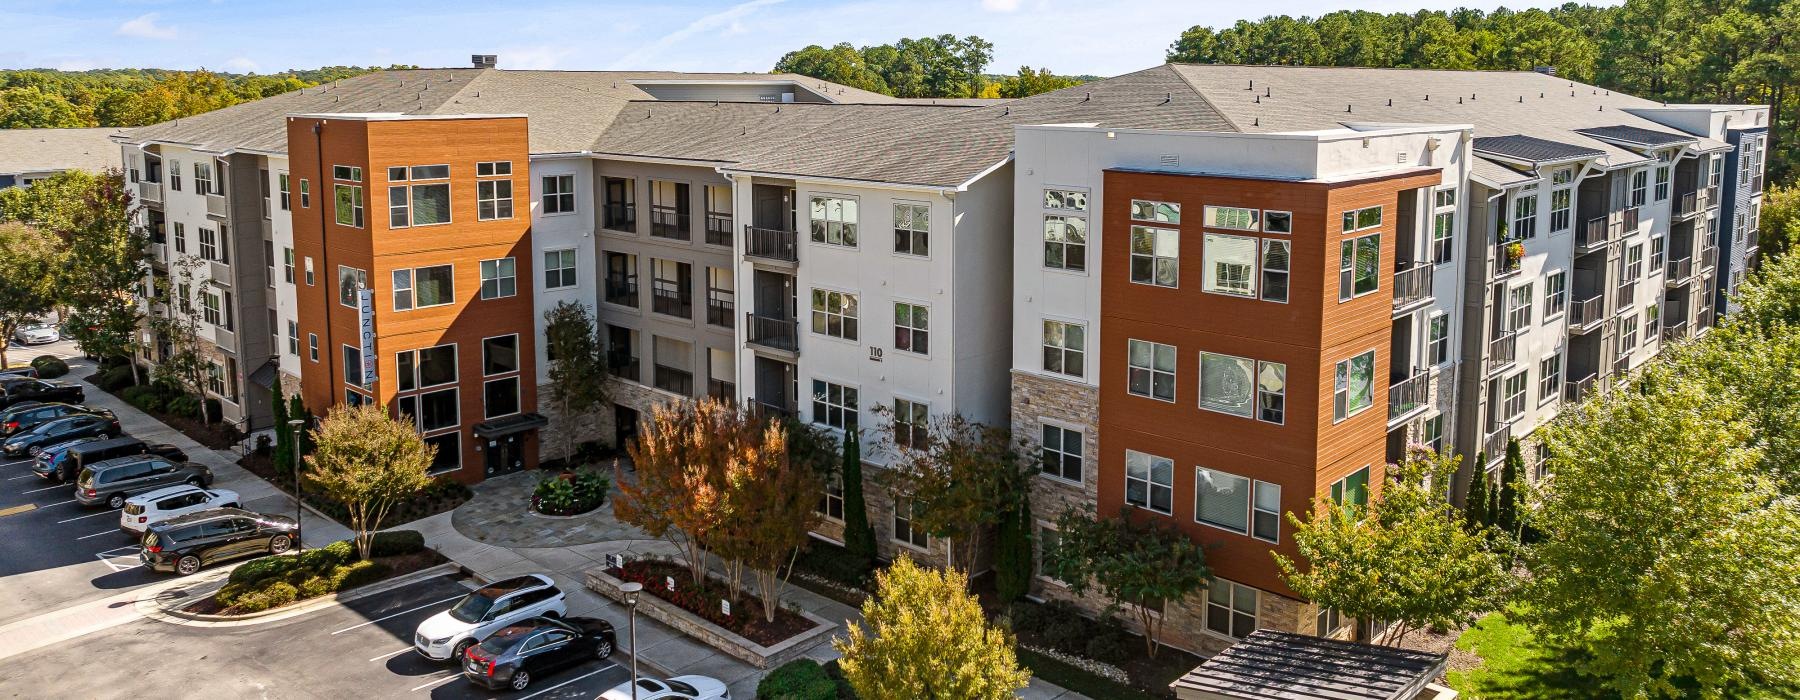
x=504, y=455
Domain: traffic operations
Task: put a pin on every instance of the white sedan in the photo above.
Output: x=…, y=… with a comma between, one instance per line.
x=152, y=507
x=677, y=688
x=37, y=334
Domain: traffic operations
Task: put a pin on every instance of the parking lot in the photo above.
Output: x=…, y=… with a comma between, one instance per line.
x=357, y=649
x=54, y=551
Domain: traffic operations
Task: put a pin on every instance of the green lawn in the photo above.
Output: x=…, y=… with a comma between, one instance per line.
x=1515, y=666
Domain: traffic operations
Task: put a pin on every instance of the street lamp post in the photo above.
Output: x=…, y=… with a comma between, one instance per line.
x=631, y=589
x=294, y=427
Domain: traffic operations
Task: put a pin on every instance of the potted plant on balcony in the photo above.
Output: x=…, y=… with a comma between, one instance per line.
x=1515, y=251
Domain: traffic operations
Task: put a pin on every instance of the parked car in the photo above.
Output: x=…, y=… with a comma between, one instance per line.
x=114, y=480
x=26, y=416
x=535, y=648
x=184, y=544
x=151, y=507
x=37, y=333
x=447, y=635
x=14, y=390
x=19, y=372
x=64, y=462
x=58, y=430
x=677, y=688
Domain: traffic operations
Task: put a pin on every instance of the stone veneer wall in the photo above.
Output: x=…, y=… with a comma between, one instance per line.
x=880, y=504
x=595, y=425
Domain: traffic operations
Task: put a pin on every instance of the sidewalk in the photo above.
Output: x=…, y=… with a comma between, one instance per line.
x=494, y=538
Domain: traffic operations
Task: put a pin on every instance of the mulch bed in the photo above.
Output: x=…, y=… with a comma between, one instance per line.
x=746, y=619
x=442, y=495
x=214, y=435
x=398, y=565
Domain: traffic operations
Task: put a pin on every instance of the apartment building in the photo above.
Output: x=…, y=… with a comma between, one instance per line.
x=29, y=155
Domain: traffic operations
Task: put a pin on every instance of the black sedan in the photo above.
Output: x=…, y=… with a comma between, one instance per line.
x=60, y=430
x=20, y=389
x=30, y=415
x=516, y=655
x=185, y=543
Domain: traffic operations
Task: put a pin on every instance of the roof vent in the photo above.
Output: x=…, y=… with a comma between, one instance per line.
x=1546, y=70
x=484, y=60
x=1169, y=159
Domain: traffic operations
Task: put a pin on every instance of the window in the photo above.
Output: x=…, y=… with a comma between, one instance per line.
x=669, y=210
x=559, y=268
x=1560, y=202
x=175, y=175
x=1278, y=222
x=834, y=314
x=1513, y=398
x=1230, y=265
x=493, y=200
x=287, y=265
x=1658, y=254
x=1065, y=243
x=305, y=194
x=1525, y=213
x=834, y=221
x=180, y=237
x=1354, y=388
x=434, y=410
x=1433, y=433
x=419, y=204
x=269, y=256
x=1230, y=609
x=1157, y=212
x=1359, y=267
x=209, y=306
x=1151, y=372
x=449, y=452
x=1634, y=263
x=1650, y=322
x=293, y=338
x=721, y=297
x=912, y=228
x=498, y=278
x=1437, y=339
x=1065, y=346
x=499, y=355
x=1662, y=182
x=1222, y=500
x=621, y=204
x=209, y=244
x=834, y=405
x=350, y=280
x=1640, y=185
x=1271, y=392
x=309, y=271
x=286, y=198
x=559, y=194
x=348, y=205
x=1518, y=315
x=426, y=367
x=500, y=397
x=1149, y=482
x=1275, y=270
x=912, y=424
x=498, y=168
x=1062, y=450
x=912, y=328
x=1068, y=200
x=203, y=178
x=1227, y=384
x=1359, y=219
x=312, y=346
x=422, y=287
x=353, y=366
x=672, y=287
x=831, y=500
x=1443, y=237
x=906, y=510
x=1237, y=218
x=1352, y=490
x=1549, y=378
x=348, y=173
x=1628, y=335
x=1154, y=255
x=1556, y=294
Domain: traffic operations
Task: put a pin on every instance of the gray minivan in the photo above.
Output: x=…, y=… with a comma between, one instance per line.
x=114, y=480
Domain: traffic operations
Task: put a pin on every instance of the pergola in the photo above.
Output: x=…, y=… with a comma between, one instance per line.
x=1270, y=665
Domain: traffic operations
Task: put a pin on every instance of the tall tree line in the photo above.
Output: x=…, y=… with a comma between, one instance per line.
x=42, y=98
x=1711, y=51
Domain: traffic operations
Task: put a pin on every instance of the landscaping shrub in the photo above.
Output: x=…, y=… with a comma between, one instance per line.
x=801, y=679
x=315, y=586
x=184, y=406
x=147, y=402
x=49, y=366
x=328, y=557
x=275, y=595
x=362, y=572
x=570, y=494
x=1027, y=618
x=1067, y=635
x=396, y=542
x=257, y=570
x=132, y=393
x=1112, y=647
x=834, y=563
x=115, y=378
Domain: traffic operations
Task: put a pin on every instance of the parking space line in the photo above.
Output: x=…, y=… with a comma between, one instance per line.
x=58, y=503
x=440, y=681
x=402, y=612
x=21, y=476
x=97, y=534
x=14, y=464
x=15, y=510
x=85, y=517
x=46, y=488
x=391, y=653
x=607, y=667
x=107, y=560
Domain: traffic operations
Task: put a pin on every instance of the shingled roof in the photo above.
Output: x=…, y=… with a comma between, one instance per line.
x=52, y=150
x=1533, y=149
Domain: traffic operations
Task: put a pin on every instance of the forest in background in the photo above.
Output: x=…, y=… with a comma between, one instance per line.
x=53, y=99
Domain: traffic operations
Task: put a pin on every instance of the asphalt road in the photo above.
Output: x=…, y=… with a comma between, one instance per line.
x=360, y=649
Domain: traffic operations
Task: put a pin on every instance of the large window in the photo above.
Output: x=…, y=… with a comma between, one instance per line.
x=1549, y=378
x=1525, y=215
x=912, y=228
x=1353, y=390
x=350, y=279
x=1149, y=482
x=1556, y=294
x=834, y=221
x=1230, y=265
x=1156, y=212
x=834, y=405
x=559, y=268
x=1271, y=392
x=1513, y=405
x=912, y=328
x=672, y=287
x=1151, y=372
x=912, y=424
x=1359, y=266
x=1443, y=237
x=1065, y=242
x=559, y=194
x=1662, y=182
x=1061, y=453
x=831, y=500
x=834, y=314
x=347, y=199
x=1155, y=254
x=499, y=278
x=209, y=244
x=1518, y=313
x=1275, y=270
x=1437, y=339
x=425, y=368
x=1640, y=187
x=500, y=397
x=1227, y=384
x=499, y=355
x=1065, y=348
x=1230, y=609
x=1560, y=203
x=424, y=203
x=906, y=512
x=423, y=287
x=1222, y=500
x=1359, y=219
x=449, y=452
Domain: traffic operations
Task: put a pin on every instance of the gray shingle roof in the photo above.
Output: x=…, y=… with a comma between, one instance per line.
x=49, y=150
x=1636, y=136
x=1531, y=148
x=1269, y=665
x=1497, y=174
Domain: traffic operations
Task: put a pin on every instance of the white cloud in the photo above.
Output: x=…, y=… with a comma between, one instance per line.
x=145, y=27
x=76, y=64
x=723, y=19
x=1000, y=5
x=240, y=64
x=532, y=57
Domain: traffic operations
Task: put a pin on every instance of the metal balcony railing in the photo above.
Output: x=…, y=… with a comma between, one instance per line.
x=1574, y=392
x=721, y=313
x=1593, y=235
x=668, y=222
x=784, y=409
x=721, y=389
x=1586, y=315
x=1509, y=257
x=1626, y=297
x=1675, y=331
x=772, y=332
x=718, y=228
x=1412, y=286
x=1503, y=351
x=621, y=293
x=1495, y=442
x=217, y=205
x=620, y=216
x=1409, y=396
x=771, y=244
x=670, y=379
x=622, y=364
x=1679, y=272
x=671, y=302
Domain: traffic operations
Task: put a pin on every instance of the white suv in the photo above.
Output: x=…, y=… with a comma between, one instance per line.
x=448, y=634
x=146, y=509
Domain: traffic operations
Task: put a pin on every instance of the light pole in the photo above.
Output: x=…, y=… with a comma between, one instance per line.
x=294, y=427
x=631, y=589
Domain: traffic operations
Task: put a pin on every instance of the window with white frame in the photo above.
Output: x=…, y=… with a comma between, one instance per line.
x=312, y=346
x=559, y=194
x=1230, y=609
x=209, y=244
x=1151, y=370
x=1443, y=237
x=1228, y=384
x=499, y=278
x=1353, y=389
x=1360, y=219
x=423, y=287
x=1658, y=254
x=1513, y=403
x=912, y=228
x=559, y=268
x=1065, y=242
x=1278, y=221
x=1549, y=378
x=906, y=513
x=284, y=194
x=1235, y=218
x=203, y=179
x=1271, y=392
x=1556, y=294
x=494, y=198
x=1062, y=450
x=1275, y=261
x=351, y=279
x=1150, y=482
x=293, y=338
x=1156, y=212
x=834, y=313
x=1065, y=348
x=1628, y=335
x=1525, y=215
x=1634, y=263
x=831, y=500
x=1065, y=200
x=834, y=405
x=1437, y=339
x=912, y=424
x=1561, y=203
x=287, y=265
x=425, y=368
x=1222, y=500
x=1662, y=182
x=834, y=221
x=209, y=306
x=1352, y=490
x=180, y=237
x=912, y=328
x=1155, y=255
x=1651, y=322
x=423, y=202
x=1432, y=433
x=1359, y=266
x=347, y=199
x=1640, y=187
x=1518, y=307
x=1230, y=265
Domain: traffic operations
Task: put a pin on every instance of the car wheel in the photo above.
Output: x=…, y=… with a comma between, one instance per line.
x=194, y=482
x=603, y=650
x=280, y=544
x=233, y=505
x=462, y=650
x=115, y=501
x=187, y=565
x=520, y=680
x=552, y=614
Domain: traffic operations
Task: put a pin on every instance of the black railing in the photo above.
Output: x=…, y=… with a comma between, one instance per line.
x=718, y=228
x=721, y=389
x=771, y=244
x=668, y=222
x=720, y=313
x=773, y=332
x=621, y=216
x=678, y=381
x=622, y=364
x=622, y=293
x=671, y=302
x=1509, y=258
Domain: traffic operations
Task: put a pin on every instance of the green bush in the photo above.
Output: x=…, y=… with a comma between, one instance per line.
x=132, y=393
x=396, y=542
x=231, y=592
x=275, y=595
x=800, y=679
x=328, y=557
x=148, y=403
x=257, y=570
x=115, y=378
x=49, y=366
x=185, y=406
x=362, y=572
x=1113, y=647
x=834, y=563
x=315, y=587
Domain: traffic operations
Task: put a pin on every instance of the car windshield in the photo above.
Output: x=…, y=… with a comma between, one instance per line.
x=684, y=688
x=472, y=607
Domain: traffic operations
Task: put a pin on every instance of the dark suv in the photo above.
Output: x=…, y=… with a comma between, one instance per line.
x=58, y=430
x=63, y=461
x=20, y=389
x=114, y=480
x=184, y=544
x=26, y=416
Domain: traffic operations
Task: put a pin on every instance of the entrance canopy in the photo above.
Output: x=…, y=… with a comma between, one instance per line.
x=1270, y=665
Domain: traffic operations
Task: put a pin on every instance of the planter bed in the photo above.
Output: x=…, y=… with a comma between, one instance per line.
x=385, y=568
x=442, y=495
x=695, y=612
x=214, y=435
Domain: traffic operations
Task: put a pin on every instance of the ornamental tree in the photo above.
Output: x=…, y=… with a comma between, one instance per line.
x=1128, y=562
x=769, y=508
x=680, y=484
x=105, y=274
x=963, y=476
x=923, y=637
x=29, y=259
x=578, y=368
x=368, y=461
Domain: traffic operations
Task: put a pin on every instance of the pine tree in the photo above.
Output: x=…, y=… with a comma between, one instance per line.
x=284, y=439
x=1012, y=557
x=1506, y=511
x=859, y=536
x=1476, y=505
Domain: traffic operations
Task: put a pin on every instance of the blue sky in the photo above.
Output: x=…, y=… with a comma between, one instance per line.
x=1101, y=38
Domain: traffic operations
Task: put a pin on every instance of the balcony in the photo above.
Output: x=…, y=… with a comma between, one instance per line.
x=1675, y=331
x=221, y=272
x=1495, y=442
x=672, y=380
x=217, y=205
x=721, y=314
x=1626, y=297
x=621, y=293
x=1576, y=391
x=1503, y=351
x=1709, y=257
x=775, y=410
x=718, y=228
x=1412, y=287
x=149, y=191
x=1679, y=272
x=772, y=332
x=721, y=390
x=671, y=302
x=225, y=338
x=1587, y=314
x=1509, y=257
x=1409, y=397
x=1690, y=204
x=1750, y=242
x=668, y=222
x=1594, y=235
x=622, y=364
x=771, y=244
x=620, y=216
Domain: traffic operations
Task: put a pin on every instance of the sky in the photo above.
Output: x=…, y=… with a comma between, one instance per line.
x=1103, y=38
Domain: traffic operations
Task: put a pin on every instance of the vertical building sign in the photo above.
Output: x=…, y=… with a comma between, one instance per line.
x=365, y=324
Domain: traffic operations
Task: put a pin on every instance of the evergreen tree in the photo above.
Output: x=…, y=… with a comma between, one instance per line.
x=1506, y=511
x=284, y=439
x=859, y=535
x=1476, y=505
x=1012, y=555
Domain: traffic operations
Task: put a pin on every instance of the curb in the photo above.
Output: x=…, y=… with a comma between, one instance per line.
x=181, y=617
